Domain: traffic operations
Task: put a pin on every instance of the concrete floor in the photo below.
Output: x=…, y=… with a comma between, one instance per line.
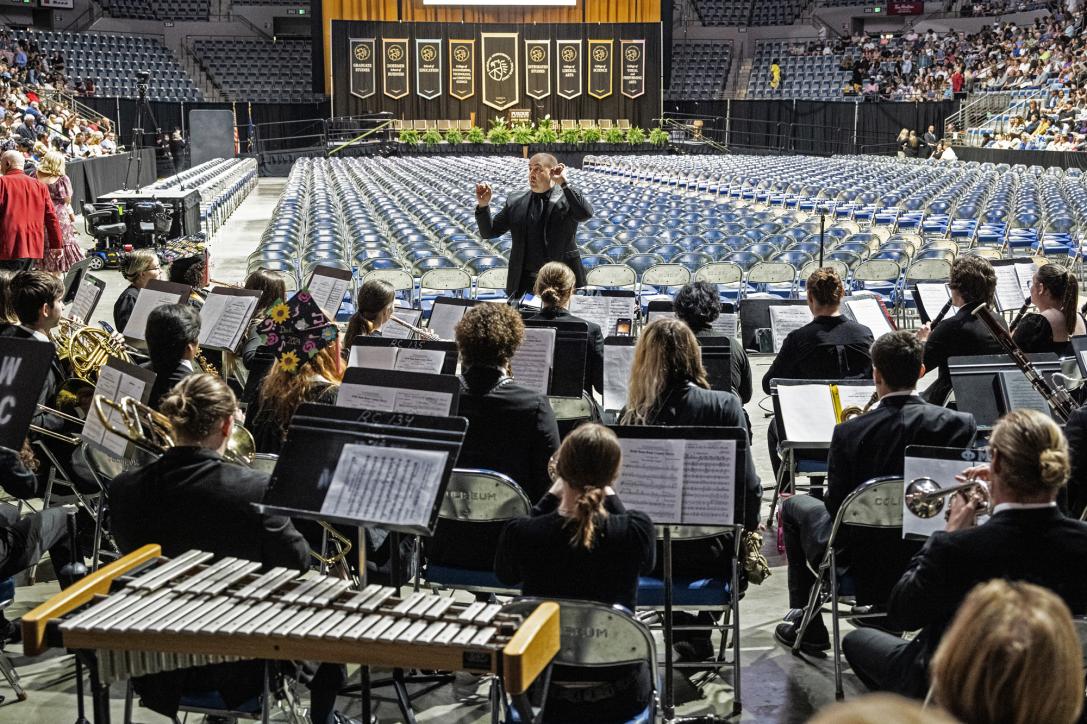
x=776, y=686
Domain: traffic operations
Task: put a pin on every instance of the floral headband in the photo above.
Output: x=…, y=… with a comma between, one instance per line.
x=296, y=330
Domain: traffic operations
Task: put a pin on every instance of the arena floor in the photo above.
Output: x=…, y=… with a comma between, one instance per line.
x=776, y=686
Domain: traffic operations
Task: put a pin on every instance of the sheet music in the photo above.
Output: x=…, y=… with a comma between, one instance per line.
x=392, y=399
x=372, y=357
x=604, y=311
x=390, y=486
x=1020, y=393
x=1009, y=290
x=656, y=314
x=867, y=311
x=808, y=412
x=444, y=318
x=858, y=395
x=651, y=477
x=725, y=325
x=1024, y=271
x=224, y=318
x=785, y=318
x=618, y=359
x=943, y=472
x=147, y=301
x=709, y=470
x=115, y=385
x=423, y=402
x=86, y=299
x=933, y=298
x=392, y=330
x=328, y=292
x=419, y=360
x=532, y=362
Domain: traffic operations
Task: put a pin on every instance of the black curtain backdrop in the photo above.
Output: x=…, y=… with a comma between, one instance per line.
x=1061, y=159
x=93, y=177
x=640, y=111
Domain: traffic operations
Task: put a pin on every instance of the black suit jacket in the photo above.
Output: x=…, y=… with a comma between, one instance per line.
x=566, y=208
x=1038, y=546
x=826, y=348
x=874, y=445
x=595, y=367
x=164, y=383
x=1076, y=432
x=961, y=335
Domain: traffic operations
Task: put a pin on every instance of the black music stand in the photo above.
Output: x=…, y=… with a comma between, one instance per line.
x=755, y=315
x=449, y=366
x=717, y=360
x=975, y=382
x=569, y=366
x=412, y=392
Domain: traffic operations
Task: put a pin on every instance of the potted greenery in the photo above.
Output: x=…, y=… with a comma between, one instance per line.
x=500, y=133
x=546, y=135
x=591, y=135
x=409, y=136
x=454, y=136
x=545, y=122
x=658, y=137
x=635, y=136
x=570, y=135
x=614, y=135
x=432, y=137
x=523, y=135
x=475, y=135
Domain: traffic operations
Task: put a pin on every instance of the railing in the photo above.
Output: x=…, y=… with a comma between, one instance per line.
x=977, y=110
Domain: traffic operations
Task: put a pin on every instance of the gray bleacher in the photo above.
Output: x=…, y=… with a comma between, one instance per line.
x=750, y=12
x=699, y=70
x=258, y=70
x=112, y=61
x=158, y=9
x=817, y=77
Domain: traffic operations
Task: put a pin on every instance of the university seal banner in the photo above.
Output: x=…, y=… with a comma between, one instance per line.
x=395, y=53
x=462, y=69
x=569, y=54
x=600, y=68
x=362, y=67
x=632, y=54
x=537, y=68
x=428, y=68
x=500, y=75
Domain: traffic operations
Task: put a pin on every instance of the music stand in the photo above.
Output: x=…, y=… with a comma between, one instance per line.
x=755, y=315
x=974, y=380
x=717, y=360
x=449, y=364
x=569, y=366
x=396, y=391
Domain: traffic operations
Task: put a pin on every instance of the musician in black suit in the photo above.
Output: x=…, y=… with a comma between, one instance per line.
x=699, y=305
x=972, y=283
x=1075, y=431
x=543, y=221
x=36, y=298
x=866, y=447
x=1026, y=539
x=190, y=498
x=555, y=287
x=172, y=335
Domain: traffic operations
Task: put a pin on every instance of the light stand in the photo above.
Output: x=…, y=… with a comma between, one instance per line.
x=142, y=78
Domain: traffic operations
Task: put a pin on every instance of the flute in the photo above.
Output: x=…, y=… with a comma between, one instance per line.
x=423, y=333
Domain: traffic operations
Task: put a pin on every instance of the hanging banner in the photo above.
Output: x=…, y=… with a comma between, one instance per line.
x=462, y=68
x=600, y=67
x=569, y=52
x=362, y=67
x=428, y=68
x=537, y=68
x=500, y=76
x=633, y=55
x=395, y=53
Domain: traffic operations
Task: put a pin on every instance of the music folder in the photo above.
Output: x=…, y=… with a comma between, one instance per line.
x=941, y=464
x=152, y=296
x=117, y=379
x=976, y=382
x=755, y=315
x=618, y=359
x=328, y=285
x=569, y=364
x=605, y=307
x=868, y=311
x=395, y=391
x=717, y=361
x=24, y=363
x=445, y=314
x=808, y=410
x=930, y=298
x=1013, y=280
x=85, y=297
x=405, y=355
x=225, y=316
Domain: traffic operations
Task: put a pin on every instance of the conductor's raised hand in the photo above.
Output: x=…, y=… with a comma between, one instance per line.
x=558, y=173
x=483, y=194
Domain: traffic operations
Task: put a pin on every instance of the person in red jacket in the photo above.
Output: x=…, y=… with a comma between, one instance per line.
x=26, y=216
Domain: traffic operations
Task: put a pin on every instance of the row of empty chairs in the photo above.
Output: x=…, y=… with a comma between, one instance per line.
x=817, y=77
x=258, y=70
x=699, y=70
x=223, y=184
x=158, y=9
x=749, y=12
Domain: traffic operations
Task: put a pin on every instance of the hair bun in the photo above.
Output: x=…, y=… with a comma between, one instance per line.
x=1053, y=468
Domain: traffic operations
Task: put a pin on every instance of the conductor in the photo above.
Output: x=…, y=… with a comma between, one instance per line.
x=542, y=220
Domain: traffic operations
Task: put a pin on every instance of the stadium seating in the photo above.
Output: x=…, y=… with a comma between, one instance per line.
x=749, y=12
x=158, y=9
x=112, y=61
x=817, y=77
x=258, y=70
x=699, y=70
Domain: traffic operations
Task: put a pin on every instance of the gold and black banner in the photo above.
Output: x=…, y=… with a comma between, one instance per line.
x=462, y=69
x=361, y=63
x=633, y=59
x=395, y=53
x=500, y=75
x=600, y=68
x=428, y=68
x=537, y=68
x=569, y=54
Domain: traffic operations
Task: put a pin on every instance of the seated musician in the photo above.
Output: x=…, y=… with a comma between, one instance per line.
x=1075, y=431
x=865, y=447
x=25, y=539
x=699, y=305
x=668, y=387
x=972, y=283
x=139, y=267
x=1026, y=539
x=35, y=299
x=581, y=543
x=830, y=347
x=1054, y=290
x=172, y=335
x=308, y=368
x=555, y=284
x=255, y=360
x=191, y=271
x=190, y=498
x=373, y=308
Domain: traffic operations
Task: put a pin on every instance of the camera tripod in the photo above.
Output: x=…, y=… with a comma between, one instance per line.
x=142, y=106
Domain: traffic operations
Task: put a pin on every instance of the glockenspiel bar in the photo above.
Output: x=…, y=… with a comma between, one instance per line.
x=166, y=613
x=197, y=610
x=174, y=569
x=237, y=574
x=465, y=636
x=268, y=583
x=329, y=623
x=254, y=612
x=411, y=633
x=148, y=611
x=97, y=610
x=469, y=614
x=302, y=589
x=487, y=614
x=254, y=624
x=116, y=615
x=371, y=633
x=447, y=634
x=304, y=628
x=410, y=602
x=326, y=591
x=196, y=582
x=484, y=636
x=439, y=608
x=431, y=631
x=393, y=632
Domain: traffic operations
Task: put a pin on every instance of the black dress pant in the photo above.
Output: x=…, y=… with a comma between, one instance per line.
x=807, y=525
x=27, y=538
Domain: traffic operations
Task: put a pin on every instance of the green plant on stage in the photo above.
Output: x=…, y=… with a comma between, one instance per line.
x=523, y=134
x=635, y=136
x=475, y=135
x=409, y=136
x=546, y=134
x=545, y=122
x=432, y=137
x=500, y=133
x=614, y=135
x=454, y=135
x=591, y=135
x=658, y=136
x=570, y=135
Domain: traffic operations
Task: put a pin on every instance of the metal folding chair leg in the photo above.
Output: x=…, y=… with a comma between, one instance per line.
x=813, y=609
x=783, y=471
x=12, y=676
x=836, y=640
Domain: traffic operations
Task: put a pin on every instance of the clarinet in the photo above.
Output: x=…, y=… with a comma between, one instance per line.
x=1058, y=398
x=939, y=317
x=1019, y=315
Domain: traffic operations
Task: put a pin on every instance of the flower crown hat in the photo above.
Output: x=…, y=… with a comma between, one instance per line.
x=296, y=330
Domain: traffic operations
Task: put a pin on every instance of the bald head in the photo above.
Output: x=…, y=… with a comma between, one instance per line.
x=10, y=160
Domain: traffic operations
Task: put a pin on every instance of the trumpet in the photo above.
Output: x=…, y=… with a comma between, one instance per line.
x=420, y=331
x=925, y=498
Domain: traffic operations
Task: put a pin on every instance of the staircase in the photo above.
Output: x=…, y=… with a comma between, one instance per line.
x=737, y=84
x=203, y=81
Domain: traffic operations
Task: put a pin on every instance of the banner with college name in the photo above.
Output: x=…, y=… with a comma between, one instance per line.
x=500, y=74
x=361, y=51
x=633, y=63
x=537, y=68
x=600, y=68
x=428, y=68
x=462, y=69
x=395, y=53
x=569, y=62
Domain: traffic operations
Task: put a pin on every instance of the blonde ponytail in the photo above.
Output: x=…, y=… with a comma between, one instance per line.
x=588, y=461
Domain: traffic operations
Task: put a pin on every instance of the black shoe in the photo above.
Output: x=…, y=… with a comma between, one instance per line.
x=11, y=632
x=816, y=639
x=695, y=649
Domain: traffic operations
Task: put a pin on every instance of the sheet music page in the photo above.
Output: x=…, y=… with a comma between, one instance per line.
x=592, y=309
x=1022, y=394
x=115, y=385
x=933, y=299
x=392, y=330
x=725, y=325
x=1009, y=292
x=709, y=482
x=1024, y=272
x=867, y=311
x=223, y=320
x=531, y=363
x=368, y=397
x=651, y=477
x=618, y=308
x=372, y=357
x=328, y=292
x=858, y=395
x=618, y=359
x=444, y=318
x=419, y=360
x=86, y=298
x=384, y=485
x=147, y=301
x=785, y=318
x=423, y=402
x=808, y=411
x=943, y=472
x=656, y=314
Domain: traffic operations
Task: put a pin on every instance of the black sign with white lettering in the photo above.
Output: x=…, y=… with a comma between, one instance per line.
x=362, y=67
x=24, y=363
x=462, y=69
x=395, y=53
x=500, y=79
x=600, y=68
x=633, y=64
x=569, y=68
x=537, y=68
x=428, y=68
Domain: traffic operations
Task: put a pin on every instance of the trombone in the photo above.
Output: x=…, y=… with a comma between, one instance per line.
x=67, y=397
x=925, y=498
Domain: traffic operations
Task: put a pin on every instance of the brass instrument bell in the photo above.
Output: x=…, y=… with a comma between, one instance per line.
x=924, y=497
